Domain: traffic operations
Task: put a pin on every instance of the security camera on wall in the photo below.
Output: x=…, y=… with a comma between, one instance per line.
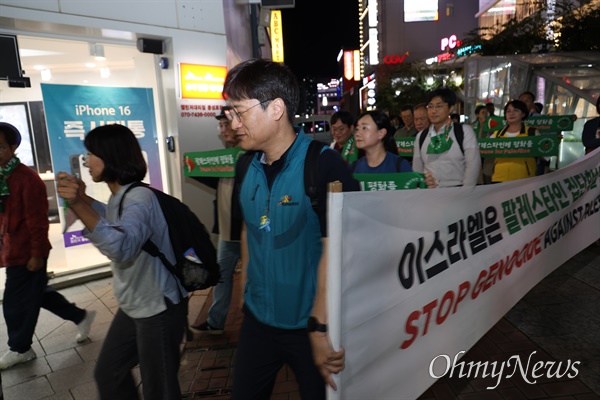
x=153, y=46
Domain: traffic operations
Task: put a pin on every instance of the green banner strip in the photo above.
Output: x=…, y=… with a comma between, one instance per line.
x=393, y=181
x=215, y=163
x=543, y=123
x=523, y=146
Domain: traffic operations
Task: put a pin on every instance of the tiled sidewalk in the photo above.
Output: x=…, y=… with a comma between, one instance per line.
x=207, y=363
x=63, y=369
x=558, y=319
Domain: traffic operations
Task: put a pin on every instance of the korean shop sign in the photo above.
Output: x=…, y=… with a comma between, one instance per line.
x=201, y=81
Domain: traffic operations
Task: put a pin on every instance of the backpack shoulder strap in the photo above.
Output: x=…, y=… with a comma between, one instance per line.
x=133, y=185
x=149, y=245
x=422, y=139
x=311, y=171
x=460, y=136
x=241, y=168
x=502, y=132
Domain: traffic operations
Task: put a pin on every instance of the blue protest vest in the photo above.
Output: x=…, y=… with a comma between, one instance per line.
x=284, y=253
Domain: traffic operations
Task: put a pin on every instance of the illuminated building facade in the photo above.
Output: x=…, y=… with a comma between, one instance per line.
x=399, y=31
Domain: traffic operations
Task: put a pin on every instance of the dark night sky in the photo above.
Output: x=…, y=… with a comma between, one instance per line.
x=314, y=32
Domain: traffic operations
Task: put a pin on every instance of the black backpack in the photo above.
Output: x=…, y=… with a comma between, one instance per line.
x=458, y=132
x=186, y=232
x=311, y=171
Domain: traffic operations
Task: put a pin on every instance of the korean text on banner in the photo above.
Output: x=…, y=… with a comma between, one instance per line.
x=215, y=163
x=433, y=279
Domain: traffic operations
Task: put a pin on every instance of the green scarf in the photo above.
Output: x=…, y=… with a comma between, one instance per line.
x=4, y=174
x=441, y=143
x=476, y=127
x=349, y=151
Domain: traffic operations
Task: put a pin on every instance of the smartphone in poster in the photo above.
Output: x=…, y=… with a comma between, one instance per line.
x=72, y=111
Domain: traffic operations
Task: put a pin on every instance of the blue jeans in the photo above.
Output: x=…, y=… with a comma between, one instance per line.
x=228, y=254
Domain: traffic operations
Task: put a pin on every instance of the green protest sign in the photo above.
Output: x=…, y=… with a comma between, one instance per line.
x=521, y=146
x=406, y=146
x=543, y=123
x=392, y=181
x=215, y=163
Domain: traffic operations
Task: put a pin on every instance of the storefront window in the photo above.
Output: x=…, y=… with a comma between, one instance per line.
x=62, y=65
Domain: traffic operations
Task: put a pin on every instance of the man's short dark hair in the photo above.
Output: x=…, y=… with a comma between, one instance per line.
x=539, y=107
x=120, y=151
x=528, y=94
x=343, y=116
x=408, y=107
x=263, y=80
x=447, y=95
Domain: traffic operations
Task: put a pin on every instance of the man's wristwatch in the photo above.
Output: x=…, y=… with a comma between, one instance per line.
x=314, y=325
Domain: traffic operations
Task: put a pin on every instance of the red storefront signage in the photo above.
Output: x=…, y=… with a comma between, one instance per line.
x=394, y=59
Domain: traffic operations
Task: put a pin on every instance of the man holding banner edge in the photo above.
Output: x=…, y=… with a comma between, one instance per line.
x=283, y=239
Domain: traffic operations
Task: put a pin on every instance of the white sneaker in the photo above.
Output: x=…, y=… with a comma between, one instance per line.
x=11, y=358
x=85, y=326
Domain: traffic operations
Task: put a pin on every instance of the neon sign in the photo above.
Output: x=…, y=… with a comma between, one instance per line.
x=201, y=81
x=450, y=42
x=394, y=59
x=276, y=36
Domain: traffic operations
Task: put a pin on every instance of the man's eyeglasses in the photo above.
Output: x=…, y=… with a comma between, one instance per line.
x=238, y=115
x=437, y=106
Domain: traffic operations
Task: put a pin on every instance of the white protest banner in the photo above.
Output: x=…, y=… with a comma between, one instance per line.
x=426, y=273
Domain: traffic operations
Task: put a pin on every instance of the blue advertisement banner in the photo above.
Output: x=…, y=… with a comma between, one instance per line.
x=72, y=111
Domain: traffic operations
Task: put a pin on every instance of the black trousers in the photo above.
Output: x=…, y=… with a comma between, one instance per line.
x=263, y=350
x=25, y=293
x=151, y=342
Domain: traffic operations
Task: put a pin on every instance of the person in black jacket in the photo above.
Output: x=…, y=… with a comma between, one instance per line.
x=591, y=132
x=228, y=228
